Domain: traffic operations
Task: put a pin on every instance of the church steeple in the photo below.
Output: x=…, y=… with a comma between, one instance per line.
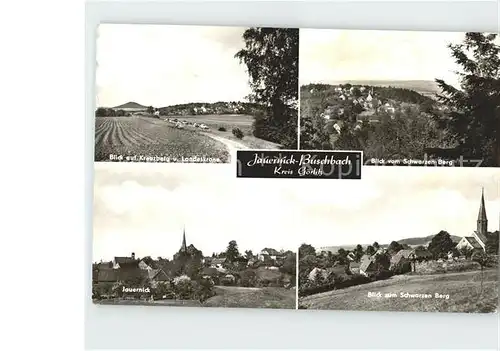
x=184, y=246
x=482, y=220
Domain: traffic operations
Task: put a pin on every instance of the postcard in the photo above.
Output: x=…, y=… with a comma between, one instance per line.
x=286, y=168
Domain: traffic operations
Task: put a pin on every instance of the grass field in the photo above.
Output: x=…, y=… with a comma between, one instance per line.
x=243, y=122
x=463, y=289
x=150, y=137
x=230, y=296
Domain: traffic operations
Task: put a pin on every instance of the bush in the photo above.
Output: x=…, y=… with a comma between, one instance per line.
x=222, y=129
x=204, y=290
x=238, y=133
x=339, y=282
x=383, y=274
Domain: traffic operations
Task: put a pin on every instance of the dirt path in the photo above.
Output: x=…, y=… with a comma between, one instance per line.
x=231, y=145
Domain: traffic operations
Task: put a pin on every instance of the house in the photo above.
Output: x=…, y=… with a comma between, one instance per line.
x=313, y=275
x=351, y=256
x=144, y=265
x=108, y=275
x=402, y=259
x=367, y=265
x=354, y=267
x=273, y=268
x=132, y=274
x=210, y=272
x=337, y=270
x=218, y=262
x=251, y=262
x=337, y=127
x=119, y=261
x=422, y=254
x=228, y=279
x=156, y=276
x=469, y=243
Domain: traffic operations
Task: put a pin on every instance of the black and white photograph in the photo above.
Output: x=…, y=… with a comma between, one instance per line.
x=194, y=94
x=406, y=98
x=177, y=236
x=404, y=239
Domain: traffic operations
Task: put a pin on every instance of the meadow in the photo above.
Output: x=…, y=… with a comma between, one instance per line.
x=234, y=296
x=466, y=294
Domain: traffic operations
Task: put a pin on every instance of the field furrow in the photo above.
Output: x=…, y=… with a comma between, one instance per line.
x=148, y=137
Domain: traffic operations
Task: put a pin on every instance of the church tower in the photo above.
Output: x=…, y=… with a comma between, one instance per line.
x=482, y=221
x=184, y=246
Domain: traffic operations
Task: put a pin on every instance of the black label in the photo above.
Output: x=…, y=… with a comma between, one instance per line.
x=299, y=164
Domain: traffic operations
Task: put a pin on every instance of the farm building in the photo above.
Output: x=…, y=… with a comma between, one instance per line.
x=402, y=260
x=218, y=262
x=354, y=267
x=119, y=261
x=367, y=265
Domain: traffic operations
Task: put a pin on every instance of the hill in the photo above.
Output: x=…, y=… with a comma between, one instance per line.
x=130, y=104
x=424, y=87
x=424, y=240
x=408, y=241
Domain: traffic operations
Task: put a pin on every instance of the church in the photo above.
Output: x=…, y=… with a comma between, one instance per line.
x=477, y=242
x=187, y=251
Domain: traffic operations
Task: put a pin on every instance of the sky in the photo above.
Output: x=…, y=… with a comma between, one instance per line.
x=329, y=55
x=161, y=65
x=393, y=203
x=143, y=208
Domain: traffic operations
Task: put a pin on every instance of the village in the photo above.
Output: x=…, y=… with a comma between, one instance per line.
x=358, y=104
x=191, y=276
x=321, y=270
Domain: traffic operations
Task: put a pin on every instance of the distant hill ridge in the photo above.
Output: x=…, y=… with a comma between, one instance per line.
x=408, y=241
x=131, y=104
x=425, y=87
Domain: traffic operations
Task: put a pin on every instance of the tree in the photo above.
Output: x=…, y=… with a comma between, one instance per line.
x=232, y=252
x=358, y=252
x=376, y=246
x=342, y=256
x=319, y=278
x=306, y=249
x=290, y=265
x=474, y=120
x=370, y=250
x=441, y=244
x=271, y=56
x=249, y=254
x=492, y=243
x=151, y=110
x=484, y=260
x=467, y=252
x=382, y=262
x=394, y=247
